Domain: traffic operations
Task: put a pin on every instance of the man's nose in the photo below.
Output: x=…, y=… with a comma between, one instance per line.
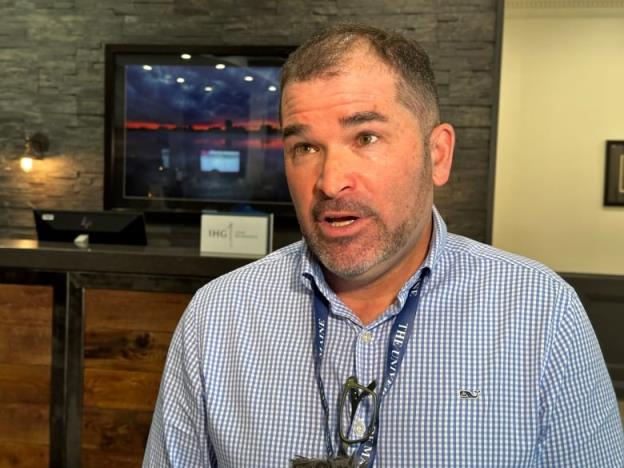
x=337, y=173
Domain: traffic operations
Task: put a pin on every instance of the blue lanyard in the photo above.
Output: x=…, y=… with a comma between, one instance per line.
x=400, y=334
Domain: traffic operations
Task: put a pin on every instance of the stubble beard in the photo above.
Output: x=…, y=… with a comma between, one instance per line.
x=350, y=257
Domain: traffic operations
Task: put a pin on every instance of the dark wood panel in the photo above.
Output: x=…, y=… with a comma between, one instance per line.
x=115, y=389
x=101, y=459
x=126, y=350
x=116, y=431
x=18, y=455
x=26, y=423
x=127, y=335
x=29, y=304
x=25, y=295
x=25, y=344
x=133, y=310
x=24, y=384
x=25, y=372
x=25, y=324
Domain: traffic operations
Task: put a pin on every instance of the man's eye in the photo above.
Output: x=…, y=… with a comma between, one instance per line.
x=367, y=139
x=304, y=148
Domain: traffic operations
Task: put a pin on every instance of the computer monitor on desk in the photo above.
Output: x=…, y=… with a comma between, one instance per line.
x=102, y=227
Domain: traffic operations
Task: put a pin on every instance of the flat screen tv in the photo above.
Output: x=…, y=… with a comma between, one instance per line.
x=190, y=128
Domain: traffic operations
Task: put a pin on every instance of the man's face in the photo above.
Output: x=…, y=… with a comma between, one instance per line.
x=358, y=172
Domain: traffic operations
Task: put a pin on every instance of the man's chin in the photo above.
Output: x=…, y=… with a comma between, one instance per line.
x=346, y=258
x=346, y=272
x=342, y=263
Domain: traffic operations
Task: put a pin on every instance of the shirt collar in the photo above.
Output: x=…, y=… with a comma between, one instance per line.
x=311, y=269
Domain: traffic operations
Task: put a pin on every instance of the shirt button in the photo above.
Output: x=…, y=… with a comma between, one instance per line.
x=367, y=337
x=359, y=428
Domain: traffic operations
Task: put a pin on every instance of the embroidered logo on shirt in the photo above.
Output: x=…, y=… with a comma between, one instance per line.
x=469, y=394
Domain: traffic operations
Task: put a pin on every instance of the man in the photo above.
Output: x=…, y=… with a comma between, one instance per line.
x=381, y=339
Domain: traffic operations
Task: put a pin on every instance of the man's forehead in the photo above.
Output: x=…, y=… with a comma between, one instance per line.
x=348, y=120
x=344, y=106
x=336, y=101
x=361, y=60
x=358, y=83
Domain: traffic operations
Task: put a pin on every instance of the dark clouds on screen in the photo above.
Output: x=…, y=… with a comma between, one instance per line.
x=155, y=95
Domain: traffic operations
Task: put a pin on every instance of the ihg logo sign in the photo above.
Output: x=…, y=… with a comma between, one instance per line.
x=222, y=233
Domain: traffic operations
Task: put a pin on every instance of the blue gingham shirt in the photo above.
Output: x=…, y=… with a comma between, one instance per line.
x=239, y=388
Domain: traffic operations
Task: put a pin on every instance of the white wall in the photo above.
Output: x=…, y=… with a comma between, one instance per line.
x=562, y=97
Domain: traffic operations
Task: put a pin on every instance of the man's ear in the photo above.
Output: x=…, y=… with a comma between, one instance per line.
x=441, y=145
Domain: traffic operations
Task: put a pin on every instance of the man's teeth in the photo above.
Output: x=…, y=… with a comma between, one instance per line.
x=345, y=222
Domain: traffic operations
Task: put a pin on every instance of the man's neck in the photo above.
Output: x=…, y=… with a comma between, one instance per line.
x=369, y=295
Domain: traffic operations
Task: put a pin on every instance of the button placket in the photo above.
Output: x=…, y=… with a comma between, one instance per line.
x=364, y=365
x=364, y=356
x=358, y=428
x=366, y=337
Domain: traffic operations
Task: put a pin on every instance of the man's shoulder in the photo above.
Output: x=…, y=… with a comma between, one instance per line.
x=277, y=269
x=479, y=258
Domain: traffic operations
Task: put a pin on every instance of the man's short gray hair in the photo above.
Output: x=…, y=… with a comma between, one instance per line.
x=325, y=53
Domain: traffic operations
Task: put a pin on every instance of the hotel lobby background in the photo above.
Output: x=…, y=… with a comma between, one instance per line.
x=52, y=69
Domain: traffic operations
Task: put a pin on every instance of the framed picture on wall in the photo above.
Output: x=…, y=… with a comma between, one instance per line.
x=614, y=176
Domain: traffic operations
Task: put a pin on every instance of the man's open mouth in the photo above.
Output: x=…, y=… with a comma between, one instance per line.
x=340, y=221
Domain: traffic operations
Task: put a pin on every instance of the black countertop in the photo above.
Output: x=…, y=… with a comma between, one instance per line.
x=152, y=260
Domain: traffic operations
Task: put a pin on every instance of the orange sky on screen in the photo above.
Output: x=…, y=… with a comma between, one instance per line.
x=248, y=124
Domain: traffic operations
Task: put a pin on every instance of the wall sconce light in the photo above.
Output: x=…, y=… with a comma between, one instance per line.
x=36, y=146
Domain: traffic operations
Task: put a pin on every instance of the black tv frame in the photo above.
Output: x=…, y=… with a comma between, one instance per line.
x=180, y=211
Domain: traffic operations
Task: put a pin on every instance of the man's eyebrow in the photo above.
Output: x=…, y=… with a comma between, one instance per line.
x=348, y=121
x=293, y=130
x=362, y=117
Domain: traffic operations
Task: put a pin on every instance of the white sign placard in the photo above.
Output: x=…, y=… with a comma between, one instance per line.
x=239, y=235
